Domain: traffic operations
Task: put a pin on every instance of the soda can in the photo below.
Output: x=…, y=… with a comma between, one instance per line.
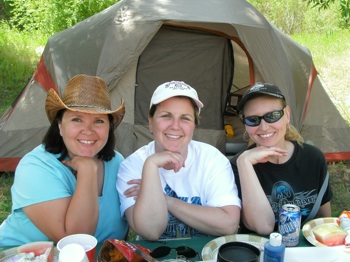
x=289, y=224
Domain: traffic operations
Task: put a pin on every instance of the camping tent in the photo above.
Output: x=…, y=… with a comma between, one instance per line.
x=218, y=47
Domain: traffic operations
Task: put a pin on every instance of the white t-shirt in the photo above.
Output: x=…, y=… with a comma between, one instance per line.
x=207, y=179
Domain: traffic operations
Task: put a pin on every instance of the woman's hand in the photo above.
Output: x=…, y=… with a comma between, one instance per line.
x=79, y=162
x=167, y=160
x=134, y=190
x=262, y=154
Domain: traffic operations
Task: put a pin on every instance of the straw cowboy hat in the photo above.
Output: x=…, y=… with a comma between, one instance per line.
x=86, y=94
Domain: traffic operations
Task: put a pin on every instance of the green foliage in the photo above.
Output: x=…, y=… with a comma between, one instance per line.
x=340, y=183
x=330, y=52
x=6, y=180
x=20, y=53
x=24, y=30
x=344, y=6
x=4, y=12
x=52, y=16
x=287, y=16
x=27, y=15
x=320, y=3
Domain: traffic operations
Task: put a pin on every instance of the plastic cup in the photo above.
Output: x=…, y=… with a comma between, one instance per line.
x=88, y=242
x=72, y=253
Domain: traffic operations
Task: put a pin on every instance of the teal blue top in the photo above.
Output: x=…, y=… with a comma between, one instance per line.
x=41, y=177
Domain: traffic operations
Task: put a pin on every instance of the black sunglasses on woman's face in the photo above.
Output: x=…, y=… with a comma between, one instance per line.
x=270, y=117
x=184, y=251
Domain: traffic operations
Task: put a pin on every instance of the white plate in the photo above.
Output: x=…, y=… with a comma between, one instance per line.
x=309, y=226
x=8, y=254
x=210, y=250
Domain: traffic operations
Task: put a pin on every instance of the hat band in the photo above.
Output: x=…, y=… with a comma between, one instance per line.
x=89, y=106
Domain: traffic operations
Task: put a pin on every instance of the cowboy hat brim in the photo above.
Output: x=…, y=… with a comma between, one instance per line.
x=54, y=104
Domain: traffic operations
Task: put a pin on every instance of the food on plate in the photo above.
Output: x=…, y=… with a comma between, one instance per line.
x=31, y=256
x=330, y=234
x=114, y=250
x=41, y=251
x=344, y=220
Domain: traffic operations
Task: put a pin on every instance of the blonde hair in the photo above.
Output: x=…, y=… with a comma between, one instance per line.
x=292, y=134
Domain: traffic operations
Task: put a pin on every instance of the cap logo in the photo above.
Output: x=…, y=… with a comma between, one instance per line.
x=177, y=85
x=257, y=87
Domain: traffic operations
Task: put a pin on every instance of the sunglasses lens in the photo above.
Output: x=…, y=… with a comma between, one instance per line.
x=161, y=251
x=252, y=121
x=273, y=116
x=186, y=251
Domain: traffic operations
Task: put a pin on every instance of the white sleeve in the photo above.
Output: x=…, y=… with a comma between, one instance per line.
x=130, y=168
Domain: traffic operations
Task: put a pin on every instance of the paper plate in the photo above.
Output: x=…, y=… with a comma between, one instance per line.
x=309, y=226
x=9, y=254
x=210, y=250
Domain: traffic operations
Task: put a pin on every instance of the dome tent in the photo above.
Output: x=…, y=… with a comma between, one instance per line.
x=218, y=47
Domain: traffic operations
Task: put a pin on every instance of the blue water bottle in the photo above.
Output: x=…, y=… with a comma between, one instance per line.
x=274, y=249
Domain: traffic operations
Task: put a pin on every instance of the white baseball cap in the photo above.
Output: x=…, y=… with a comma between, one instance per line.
x=174, y=88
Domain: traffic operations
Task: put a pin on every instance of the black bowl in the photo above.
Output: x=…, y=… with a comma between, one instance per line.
x=238, y=252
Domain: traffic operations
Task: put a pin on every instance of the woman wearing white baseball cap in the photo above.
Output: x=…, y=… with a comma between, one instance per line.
x=187, y=187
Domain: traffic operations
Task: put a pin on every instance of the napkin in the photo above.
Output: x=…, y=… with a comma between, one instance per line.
x=317, y=254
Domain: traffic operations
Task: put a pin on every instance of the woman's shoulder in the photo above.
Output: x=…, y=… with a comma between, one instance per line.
x=201, y=145
x=116, y=160
x=118, y=156
x=205, y=150
x=308, y=152
x=309, y=148
x=140, y=154
x=39, y=154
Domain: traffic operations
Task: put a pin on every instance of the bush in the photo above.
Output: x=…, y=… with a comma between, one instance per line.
x=18, y=62
x=286, y=15
x=52, y=16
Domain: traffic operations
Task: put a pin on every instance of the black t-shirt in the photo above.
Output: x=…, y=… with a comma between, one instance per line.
x=298, y=181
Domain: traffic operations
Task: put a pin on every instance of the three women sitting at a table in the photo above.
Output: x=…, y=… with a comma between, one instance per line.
x=172, y=187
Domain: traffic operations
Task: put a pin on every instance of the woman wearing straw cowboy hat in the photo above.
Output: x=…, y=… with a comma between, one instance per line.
x=67, y=184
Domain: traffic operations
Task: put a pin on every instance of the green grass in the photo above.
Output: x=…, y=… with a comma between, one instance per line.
x=6, y=180
x=325, y=45
x=340, y=183
x=19, y=59
x=331, y=52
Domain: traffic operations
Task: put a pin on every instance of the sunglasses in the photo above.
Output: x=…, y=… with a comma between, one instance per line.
x=270, y=117
x=182, y=251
